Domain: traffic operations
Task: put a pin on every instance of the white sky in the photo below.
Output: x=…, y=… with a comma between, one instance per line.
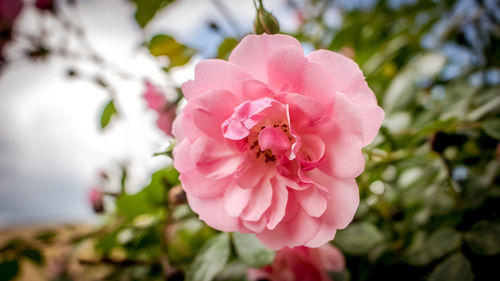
x=51, y=148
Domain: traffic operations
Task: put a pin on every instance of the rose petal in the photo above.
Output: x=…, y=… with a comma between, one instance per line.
x=214, y=159
x=236, y=199
x=312, y=201
x=215, y=74
x=353, y=84
x=261, y=200
x=253, y=52
x=278, y=203
x=211, y=109
x=212, y=212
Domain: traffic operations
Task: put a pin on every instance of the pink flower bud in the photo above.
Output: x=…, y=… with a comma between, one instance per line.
x=96, y=200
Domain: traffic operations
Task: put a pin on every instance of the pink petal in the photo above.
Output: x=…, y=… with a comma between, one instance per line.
x=236, y=199
x=304, y=111
x=278, y=203
x=198, y=185
x=349, y=79
x=245, y=117
x=182, y=156
x=312, y=150
x=211, y=109
x=261, y=200
x=214, y=159
x=177, y=130
x=331, y=258
x=250, y=172
x=273, y=139
x=165, y=120
x=285, y=69
x=255, y=226
x=344, y=158
x=212, y=212
x=254, y=51
x=255, y=89
x=317, y=84
x=156, y=100
x=312, y=201
x=215, y=74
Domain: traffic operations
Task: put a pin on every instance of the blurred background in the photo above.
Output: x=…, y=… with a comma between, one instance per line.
x=79, y=140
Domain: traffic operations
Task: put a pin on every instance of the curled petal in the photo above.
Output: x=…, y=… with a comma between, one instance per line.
x=212, y=212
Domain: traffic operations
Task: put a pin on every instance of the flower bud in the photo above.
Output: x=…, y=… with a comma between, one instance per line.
x=177, y=196
x=95, y=198
x=265, y=22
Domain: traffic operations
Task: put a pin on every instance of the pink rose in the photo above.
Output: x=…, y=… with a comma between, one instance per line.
x=301, y=264
x=270, y=141
x=166, y=111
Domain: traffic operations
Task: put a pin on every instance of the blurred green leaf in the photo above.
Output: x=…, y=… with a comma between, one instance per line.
x=226, y=47
x=165, y=45
x=492, y=128
x=443, y=241
x=358, y=238
x=454, y=268
x=233, y=271
x=417, y=253
x=211, y=259
x=46, y=236
x=8, y=270
x=251, y=251
x=33, y=255
x=484, y=238
x=108, y=112
x=146, y=10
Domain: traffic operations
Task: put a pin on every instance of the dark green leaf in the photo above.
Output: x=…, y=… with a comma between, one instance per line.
x=8, y=270
x=251, y=251
x=146, y=10
x=358, y=238
x=454, y=268
x=108, y=112
x=484, y=238
x=33, y=255
x=211, y=259
x=226, y=47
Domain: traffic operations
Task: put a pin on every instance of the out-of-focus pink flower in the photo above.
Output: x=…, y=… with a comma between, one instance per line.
x=9, y=11
x=96, y=200
x=45, y=5
x=302, y=264
x=270, y=141
x=166, y=111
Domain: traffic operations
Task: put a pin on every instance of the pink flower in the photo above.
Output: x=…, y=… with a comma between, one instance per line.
x=302, y=264
x=270, y=141
x=166, y=111
x=95, y=198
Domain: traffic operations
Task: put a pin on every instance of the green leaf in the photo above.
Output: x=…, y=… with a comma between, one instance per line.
x=108, y=112
x=484, y=238
x=492, y=128
x=165, y=45
x=151, y=198
x=358, y=238
x=454, y=268
x=211, y=259
x=33, y=255
x=8, y=270
x=443, y=241
x=251, y=251
x=146, y=10
x=226, y=47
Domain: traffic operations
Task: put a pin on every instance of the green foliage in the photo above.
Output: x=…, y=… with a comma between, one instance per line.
x=226, y=47
x=454, y=268
x=165, y=45
x=484, y=238
x=9, y=269
x=211, y=260
x=358, y=238
x=250, y=251
x=108, y=112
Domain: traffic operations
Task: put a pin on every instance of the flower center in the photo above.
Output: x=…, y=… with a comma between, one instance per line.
x=270, y=141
